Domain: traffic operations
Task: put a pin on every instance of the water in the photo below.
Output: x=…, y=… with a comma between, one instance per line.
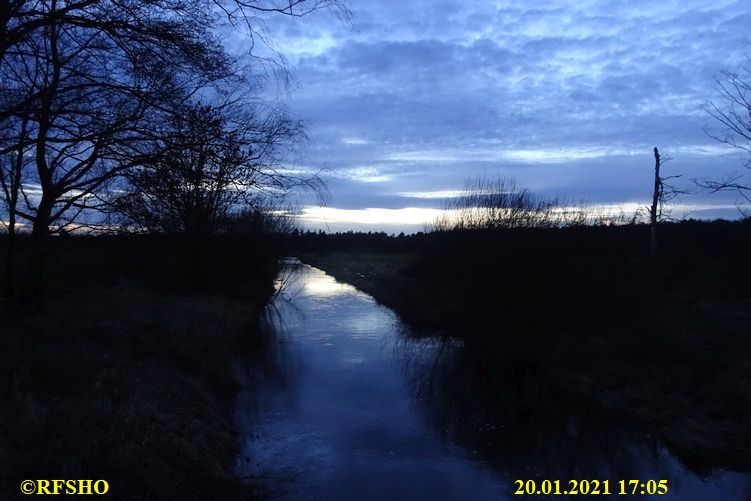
x=345, y=404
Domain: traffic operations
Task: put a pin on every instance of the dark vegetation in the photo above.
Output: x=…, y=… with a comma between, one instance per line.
x=125, y=374
x=586, y=313
x=124, y=116
x=129, y=116
x=134, y=115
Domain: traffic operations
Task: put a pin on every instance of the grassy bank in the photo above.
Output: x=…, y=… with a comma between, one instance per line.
x=662, y=343
x=126, y=373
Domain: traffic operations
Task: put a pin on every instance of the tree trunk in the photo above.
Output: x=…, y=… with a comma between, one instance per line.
x=655, y=206
x=11, y=184
x=34, y=283
x=10, y=259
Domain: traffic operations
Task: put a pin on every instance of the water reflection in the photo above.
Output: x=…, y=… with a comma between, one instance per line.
x=346, y=405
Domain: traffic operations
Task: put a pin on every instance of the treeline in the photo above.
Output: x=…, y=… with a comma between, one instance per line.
x=681, y=238
x=380, y=241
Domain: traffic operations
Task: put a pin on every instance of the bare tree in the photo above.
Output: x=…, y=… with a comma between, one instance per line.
x=89, y=88
x=217, y=163
x=84, y=101
x=11, y=178
x=655, y=206
x=732, y=112
x=493, y=203
x=19, y=19
x=662, y=194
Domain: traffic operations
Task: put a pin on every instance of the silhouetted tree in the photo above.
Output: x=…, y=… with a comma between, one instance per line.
x=217, y=164
x=84, y=94
x=732, y=111
x=11, y=176
x=88, y=88
x=494, y=203
x=662, y=194
x=653, y=214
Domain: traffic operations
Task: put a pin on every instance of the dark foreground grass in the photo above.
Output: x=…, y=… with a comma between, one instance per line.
x=126, y=374
x=662, y=343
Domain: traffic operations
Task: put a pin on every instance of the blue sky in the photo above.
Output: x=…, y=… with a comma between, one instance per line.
x=567, y=97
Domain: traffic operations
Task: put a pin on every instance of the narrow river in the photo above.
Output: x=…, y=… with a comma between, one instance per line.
x=345, y=404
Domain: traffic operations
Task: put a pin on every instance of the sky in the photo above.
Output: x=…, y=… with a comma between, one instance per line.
x=409, y=99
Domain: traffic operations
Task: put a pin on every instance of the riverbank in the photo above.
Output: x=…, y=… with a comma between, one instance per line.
x=662, y=345
x=383, y=275
x=126, y=373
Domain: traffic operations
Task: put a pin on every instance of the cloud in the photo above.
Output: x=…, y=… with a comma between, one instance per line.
x=361, y=174
x=424, y=94
x=439, y=194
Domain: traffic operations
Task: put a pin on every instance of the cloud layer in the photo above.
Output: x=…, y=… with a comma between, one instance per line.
x=568, y=97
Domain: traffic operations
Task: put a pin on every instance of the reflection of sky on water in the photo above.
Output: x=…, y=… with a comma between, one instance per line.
x=325, y=287
x=358, y=410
